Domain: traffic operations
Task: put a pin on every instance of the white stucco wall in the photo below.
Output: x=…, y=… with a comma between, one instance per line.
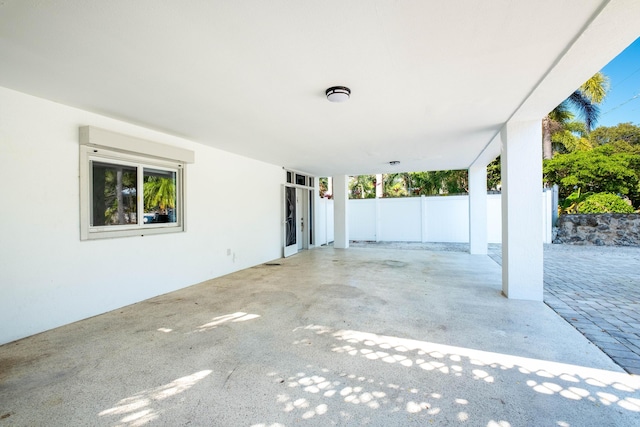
x=48, y=277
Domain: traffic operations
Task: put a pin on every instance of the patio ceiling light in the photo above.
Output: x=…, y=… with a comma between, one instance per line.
x=394, y=162
x=338, y=93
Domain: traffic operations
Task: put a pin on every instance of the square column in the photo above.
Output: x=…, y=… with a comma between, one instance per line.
x=478, y=210
x=522, y=251
x=340, y=214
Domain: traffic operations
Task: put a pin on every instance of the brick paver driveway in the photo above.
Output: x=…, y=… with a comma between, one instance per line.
x=597, y=290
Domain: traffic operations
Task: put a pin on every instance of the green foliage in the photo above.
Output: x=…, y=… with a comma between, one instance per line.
x=604, y=203
x=572, y=136
x=560, y=132
x=409, y=184
x=494, y=174
x=601, y=170
x=395, y=185
x=362, y=187
x=571, y=203
x=623, y=132
x=324, y=186
x=595, y=89
x=425, y=183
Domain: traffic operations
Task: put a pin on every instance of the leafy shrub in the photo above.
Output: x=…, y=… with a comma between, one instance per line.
x=601, y=170
x=604, y=203
x=571, y=203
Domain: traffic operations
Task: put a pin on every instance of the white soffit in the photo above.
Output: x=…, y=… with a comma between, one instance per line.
x=432, y=82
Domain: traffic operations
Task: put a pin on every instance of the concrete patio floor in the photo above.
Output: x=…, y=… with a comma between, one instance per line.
x=364, y=336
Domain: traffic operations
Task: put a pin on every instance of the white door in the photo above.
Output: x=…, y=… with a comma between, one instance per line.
x=291, y=235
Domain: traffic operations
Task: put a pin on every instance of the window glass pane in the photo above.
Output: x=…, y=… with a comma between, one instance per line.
x=301, y=179
x=289, y=177
x=113, y=193
x=160, y=198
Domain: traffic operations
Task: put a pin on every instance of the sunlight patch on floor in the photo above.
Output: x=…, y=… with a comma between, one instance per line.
x=568, y=381
x=136, y=411
x=234, y=317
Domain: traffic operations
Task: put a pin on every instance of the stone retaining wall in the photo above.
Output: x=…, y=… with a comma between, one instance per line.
x=599, y=229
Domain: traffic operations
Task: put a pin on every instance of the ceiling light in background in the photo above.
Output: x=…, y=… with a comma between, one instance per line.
x=338, y=93
x=394, y=162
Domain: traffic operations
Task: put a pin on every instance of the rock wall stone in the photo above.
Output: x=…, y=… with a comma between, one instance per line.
x=599, y=229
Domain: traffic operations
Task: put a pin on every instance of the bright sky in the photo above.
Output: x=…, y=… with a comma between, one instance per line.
x=622, y=104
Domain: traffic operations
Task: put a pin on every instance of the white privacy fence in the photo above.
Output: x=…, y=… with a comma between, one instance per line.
x=324, y=223
x=421, y=219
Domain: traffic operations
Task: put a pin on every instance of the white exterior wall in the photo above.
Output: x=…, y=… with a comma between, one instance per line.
x=48, y=277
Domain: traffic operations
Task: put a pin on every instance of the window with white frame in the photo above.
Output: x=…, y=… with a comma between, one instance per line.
x=126, y=193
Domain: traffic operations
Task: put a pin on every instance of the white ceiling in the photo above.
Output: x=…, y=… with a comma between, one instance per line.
x=432, y=81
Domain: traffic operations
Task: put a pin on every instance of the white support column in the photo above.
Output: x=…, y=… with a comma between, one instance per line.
x=522, y=257
x=316, y=212
x=478, y=210
x=379, y=194
x=340, y=214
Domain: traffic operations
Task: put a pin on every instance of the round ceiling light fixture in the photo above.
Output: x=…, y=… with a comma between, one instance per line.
x=338, y=93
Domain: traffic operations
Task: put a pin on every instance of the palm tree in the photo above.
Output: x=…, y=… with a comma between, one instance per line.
x=584, y=100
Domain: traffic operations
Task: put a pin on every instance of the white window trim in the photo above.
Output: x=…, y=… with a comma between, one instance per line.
x=139, y=153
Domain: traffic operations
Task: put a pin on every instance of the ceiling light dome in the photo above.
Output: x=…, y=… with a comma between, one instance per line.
x=338, y=93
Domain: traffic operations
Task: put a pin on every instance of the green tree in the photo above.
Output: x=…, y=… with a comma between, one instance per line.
x=626, y=132
x=601, y=170
x=394, y=185
x=494, y=174
x=572, y=137
x=584, y=100
x=425, y=183
x=362, y=187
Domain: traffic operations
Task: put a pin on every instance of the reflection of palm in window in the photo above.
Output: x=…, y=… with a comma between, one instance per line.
x=115, y=189
x=159, y=193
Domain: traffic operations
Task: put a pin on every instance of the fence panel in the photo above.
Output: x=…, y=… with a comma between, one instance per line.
x=400, y=220
x=427, y=219
x=362, y=219
x=447, y=219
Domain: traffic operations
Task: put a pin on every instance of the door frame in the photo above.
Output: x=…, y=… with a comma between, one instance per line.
x=304, y=200
x=289, y=224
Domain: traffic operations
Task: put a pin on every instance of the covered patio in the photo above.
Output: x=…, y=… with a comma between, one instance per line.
x=106, y=319
x=375, y=337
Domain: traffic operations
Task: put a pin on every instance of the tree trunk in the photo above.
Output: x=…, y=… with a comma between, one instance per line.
x=547, y=149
